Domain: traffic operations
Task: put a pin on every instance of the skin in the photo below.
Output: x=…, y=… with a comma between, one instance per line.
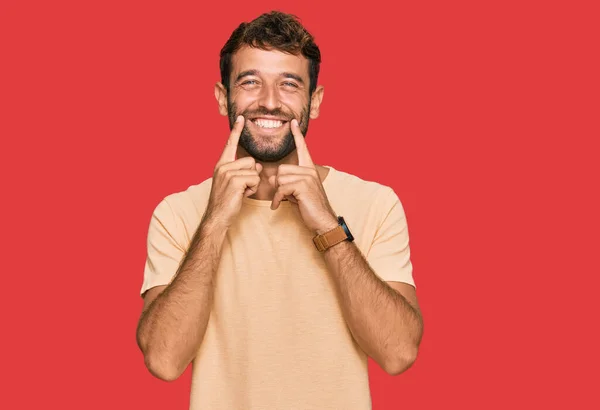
x=383, y=317
x=174, y=317
x=269, y=91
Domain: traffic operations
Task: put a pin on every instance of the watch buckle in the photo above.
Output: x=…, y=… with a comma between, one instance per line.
x=320, y=242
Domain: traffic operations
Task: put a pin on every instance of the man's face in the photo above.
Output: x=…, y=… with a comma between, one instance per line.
x=269, y=88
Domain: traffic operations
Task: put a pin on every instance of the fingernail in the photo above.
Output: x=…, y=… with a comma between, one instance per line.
x=294, y=122
x=239, y=118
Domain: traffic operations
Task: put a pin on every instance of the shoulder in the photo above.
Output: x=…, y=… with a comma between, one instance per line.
x=371, y=208
x=344, y=184
x=189, y=202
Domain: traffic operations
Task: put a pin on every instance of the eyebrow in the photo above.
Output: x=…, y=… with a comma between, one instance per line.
x=245, y=74
x=256, y=72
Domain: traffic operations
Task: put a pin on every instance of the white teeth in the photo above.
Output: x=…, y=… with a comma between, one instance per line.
x=268, y=123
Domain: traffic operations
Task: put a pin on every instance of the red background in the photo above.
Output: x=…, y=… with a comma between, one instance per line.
x=481, y=115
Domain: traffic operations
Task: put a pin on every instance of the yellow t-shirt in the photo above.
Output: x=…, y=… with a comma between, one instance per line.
x=276, y=337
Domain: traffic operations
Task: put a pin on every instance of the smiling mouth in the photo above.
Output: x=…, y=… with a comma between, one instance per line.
x=268, y=124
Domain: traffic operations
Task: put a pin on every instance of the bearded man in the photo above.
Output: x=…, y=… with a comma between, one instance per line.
x=277, y=278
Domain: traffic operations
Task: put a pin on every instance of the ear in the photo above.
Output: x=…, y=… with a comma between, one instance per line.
x=315, y=102
x=221, y=96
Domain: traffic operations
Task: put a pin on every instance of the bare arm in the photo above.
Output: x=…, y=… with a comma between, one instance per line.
x=384, y=319
x=172, y=326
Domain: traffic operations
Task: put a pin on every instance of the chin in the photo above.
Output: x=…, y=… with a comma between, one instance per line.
x=267, y=148
x=263, y=155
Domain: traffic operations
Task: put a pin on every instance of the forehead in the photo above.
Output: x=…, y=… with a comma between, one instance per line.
x=268, y=62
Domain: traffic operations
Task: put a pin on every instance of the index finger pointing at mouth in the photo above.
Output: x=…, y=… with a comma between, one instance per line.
x=304, y=159
x=230, y=149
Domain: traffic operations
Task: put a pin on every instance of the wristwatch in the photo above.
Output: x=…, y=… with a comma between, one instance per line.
x=330, y=238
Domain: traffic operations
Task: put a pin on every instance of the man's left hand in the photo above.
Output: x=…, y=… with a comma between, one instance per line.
x=302, y=186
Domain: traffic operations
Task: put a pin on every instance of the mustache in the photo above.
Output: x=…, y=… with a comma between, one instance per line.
x=275, y=113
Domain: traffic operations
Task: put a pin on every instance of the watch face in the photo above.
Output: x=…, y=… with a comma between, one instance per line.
x=346, y=229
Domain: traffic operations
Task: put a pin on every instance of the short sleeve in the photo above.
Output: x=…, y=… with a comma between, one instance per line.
x=389, y=254
x=164, y=253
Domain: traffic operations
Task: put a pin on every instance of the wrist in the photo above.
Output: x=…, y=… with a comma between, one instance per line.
x=327, y=226
x=210, y=224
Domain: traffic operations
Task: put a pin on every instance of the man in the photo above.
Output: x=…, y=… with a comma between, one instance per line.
x=252, y=277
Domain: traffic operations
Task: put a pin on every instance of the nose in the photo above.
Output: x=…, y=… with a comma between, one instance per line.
x=269, y=98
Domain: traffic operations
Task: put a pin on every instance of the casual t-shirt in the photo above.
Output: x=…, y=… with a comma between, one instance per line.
x=276, y=337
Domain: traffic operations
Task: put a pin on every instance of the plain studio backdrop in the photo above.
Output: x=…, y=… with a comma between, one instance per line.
x=483, y=116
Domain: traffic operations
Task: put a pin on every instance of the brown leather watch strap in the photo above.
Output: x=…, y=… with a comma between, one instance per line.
x=330, y=238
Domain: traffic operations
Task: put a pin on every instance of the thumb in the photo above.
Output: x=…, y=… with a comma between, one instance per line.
x=259, y=167
x=272, y=181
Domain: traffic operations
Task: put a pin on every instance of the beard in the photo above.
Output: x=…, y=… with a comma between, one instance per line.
x=257, y=149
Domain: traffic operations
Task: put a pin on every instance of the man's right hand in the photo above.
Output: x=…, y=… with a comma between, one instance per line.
x=232, y=181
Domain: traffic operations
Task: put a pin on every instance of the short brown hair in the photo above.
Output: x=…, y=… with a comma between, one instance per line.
x=273, y=31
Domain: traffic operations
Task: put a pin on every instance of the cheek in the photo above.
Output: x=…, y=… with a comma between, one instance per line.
x=295, y=103
x=242, y=100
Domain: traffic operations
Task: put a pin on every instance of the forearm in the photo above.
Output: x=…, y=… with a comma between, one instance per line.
x=382, y=321
x=172, y=328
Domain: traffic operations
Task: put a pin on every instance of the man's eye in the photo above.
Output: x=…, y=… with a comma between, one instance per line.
x=289, y=84
x=249, y=82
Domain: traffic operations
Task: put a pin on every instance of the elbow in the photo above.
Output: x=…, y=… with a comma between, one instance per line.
x=162, y=368
x=400, y=362
x=159, y=365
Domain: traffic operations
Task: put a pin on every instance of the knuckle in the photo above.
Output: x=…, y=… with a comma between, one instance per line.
x=236, y=182
x=221, y=168
x=245, y=162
